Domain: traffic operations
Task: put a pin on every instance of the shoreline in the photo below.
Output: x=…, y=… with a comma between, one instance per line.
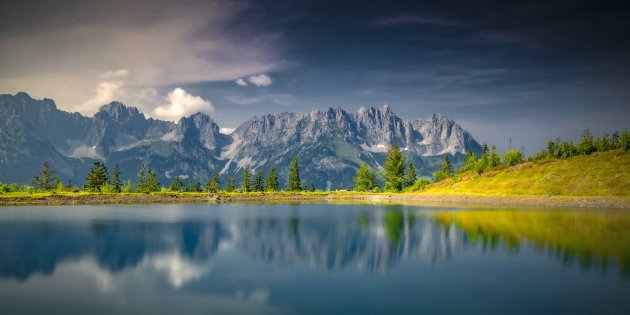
x=386, y=198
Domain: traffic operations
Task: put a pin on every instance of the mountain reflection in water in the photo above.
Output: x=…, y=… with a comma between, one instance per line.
x=368, y=241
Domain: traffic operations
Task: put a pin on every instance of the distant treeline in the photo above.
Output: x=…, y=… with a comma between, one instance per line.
x=99, y=179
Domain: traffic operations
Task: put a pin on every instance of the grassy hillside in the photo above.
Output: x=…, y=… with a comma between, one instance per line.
x=598, y=174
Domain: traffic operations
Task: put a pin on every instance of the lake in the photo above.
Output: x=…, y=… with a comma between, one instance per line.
x=312, y=259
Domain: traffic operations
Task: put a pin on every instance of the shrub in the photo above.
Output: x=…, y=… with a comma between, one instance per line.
x=512, y=157
x=420, y=184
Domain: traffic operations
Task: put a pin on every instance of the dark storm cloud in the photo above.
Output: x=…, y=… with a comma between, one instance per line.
x=532, y=70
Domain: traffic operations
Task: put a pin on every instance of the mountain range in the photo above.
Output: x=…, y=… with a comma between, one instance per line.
x=330, y=144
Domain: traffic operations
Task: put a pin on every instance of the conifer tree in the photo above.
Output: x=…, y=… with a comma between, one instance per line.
x=176, y=184
x=365, y=179
x=484, y=160
x=115, y=180
x=294, y=183
x=603, y=143
x=624, y=140
x=97, y=177
x=213, y=183
x=191, y=186
x=586, y=145
x=394, y=169
x=142, y=179
x=411, y=177
x=614, y=140
x=198, y=187
x=46, y=179
x=231, y=184
x=151, y=182
x=259, y=183
x=495, y=158
x=246, y=184
x=273, y=181
x=445, y=171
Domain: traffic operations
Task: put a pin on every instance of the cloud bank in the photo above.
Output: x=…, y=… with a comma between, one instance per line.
x=84, y=54
x=180, y=104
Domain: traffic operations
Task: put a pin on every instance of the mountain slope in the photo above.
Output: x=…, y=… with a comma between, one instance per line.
x=599, y=174
x=331, y=144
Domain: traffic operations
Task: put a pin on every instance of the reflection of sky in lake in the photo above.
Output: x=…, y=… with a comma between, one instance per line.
x=282, y=259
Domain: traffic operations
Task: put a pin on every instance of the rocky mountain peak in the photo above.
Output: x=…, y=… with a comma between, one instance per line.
x=119, y=112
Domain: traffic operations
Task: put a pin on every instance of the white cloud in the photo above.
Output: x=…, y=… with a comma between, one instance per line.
x=181, y=104
x=178, y=269
x=240, y=82
x=261, y=80
x=104, y=93
x=226, y=130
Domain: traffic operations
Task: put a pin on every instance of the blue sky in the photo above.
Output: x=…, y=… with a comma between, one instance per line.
x=529, y=70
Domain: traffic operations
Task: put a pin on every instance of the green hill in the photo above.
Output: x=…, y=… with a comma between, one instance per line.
x=598, y=174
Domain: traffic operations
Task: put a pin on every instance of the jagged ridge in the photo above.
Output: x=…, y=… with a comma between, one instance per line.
x=331, y=144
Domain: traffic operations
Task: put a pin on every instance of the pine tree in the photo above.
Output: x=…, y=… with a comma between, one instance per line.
x=484, y=162
x=445, y=171
x=246, y=184
x=394, y=169
x=198, y=187
x=259, y=183
x=312, y=188
x=152, y=183
x=273, y=182
x=495, y=158
x=142, y=179
x=294, y=183
x=586, y=145
x=191, y=186
x=46, y=180
x=603, y=143
x=213, y=183
x=624, y=140
x=614, y=140
x=231, y=184
x=97, y=177
x=365, y=179
x=176, y=184
x=411, y=177
x=115, y=180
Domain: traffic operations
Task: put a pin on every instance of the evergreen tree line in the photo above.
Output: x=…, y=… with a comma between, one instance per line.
x=397, y=179
x=99, y=179
x=396, y=174
x=490, y=159
x=559, y=149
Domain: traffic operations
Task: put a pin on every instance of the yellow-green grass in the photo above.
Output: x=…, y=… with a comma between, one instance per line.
x=598, y=174
x=590, y=236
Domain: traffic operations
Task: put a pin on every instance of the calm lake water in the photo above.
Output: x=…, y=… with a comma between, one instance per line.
x=312, y=259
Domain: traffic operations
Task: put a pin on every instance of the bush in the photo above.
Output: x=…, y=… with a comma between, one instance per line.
x=512, y=157
x=420, y=184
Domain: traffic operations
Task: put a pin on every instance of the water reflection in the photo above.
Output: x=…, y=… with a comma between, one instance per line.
x=371, y=241
x=592, y=239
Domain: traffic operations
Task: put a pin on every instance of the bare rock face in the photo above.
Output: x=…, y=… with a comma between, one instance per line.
x=330, y=144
